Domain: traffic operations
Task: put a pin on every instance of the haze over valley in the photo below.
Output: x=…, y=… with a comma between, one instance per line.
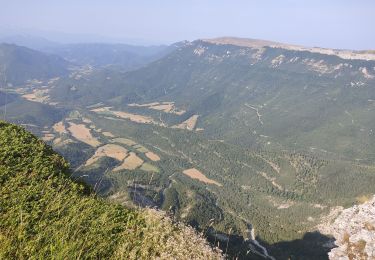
x=248, y=148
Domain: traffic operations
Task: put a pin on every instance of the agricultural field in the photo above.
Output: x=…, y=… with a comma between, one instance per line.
x=256, y=148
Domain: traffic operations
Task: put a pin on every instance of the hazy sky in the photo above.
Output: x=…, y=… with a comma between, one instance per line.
x=326, y=23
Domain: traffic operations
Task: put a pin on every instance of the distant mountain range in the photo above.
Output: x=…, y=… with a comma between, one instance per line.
x=259, y=97
x=125, y=56
x=19, y=64
x=252, y=142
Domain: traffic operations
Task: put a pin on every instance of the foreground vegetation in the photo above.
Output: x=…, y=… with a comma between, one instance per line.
x=46, y=214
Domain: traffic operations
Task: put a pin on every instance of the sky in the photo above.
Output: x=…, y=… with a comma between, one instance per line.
x=345, y=24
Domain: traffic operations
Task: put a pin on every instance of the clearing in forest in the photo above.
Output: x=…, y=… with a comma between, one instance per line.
x=152, y=156
x=109, y=150
x=86, y=120
x=108, y=134
x=195, y=174
x=83, y=134
x=59, y=128
x=188, y=124
x=167, y=107
x=38, y=95
x=135, y=118
x=130, y=163
x=124, y=115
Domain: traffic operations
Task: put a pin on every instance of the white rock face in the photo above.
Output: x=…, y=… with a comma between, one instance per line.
x=199, y=51
x=366, y=74
x=255, y=43
x=277, y=61
x=354, y=231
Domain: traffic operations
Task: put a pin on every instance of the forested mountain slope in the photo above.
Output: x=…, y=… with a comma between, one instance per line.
x=259, y=97
x=45, y=214
x=19, y=64
x=6, y=98
x=126, y=57
x=248, y=144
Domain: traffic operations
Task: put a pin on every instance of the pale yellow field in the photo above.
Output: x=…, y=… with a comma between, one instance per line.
x=188, y=124
x=57, y=141
x=108, y=134
x=134, y=117
x=86, y=120
x=109, y=150
x=39, y=95
x=152, y=156
x=130, y=163
x=195, y=174
x=167, y=107
x=59, y=128
x=101, y=109
x=124, y=115
x=83, y=134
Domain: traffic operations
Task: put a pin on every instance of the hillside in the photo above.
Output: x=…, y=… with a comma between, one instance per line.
x=47, y=214
x=19, y=64
x=254, y=146
x=6, y=98
x=125, y=57
x=267, y=97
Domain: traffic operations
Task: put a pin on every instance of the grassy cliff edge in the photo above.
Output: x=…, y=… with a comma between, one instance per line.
x=45, y=214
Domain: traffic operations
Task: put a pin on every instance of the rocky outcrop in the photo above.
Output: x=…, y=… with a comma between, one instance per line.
x=354, y=231
x=255, y=43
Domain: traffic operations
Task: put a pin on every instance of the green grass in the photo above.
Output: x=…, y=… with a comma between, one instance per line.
x=44, y=214
x=149, y=168
x=21, y=64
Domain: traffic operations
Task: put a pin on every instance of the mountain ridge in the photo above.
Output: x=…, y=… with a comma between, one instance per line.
x=21, y=63
x=266, y=124
x=257, y=43
x=202, y=77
